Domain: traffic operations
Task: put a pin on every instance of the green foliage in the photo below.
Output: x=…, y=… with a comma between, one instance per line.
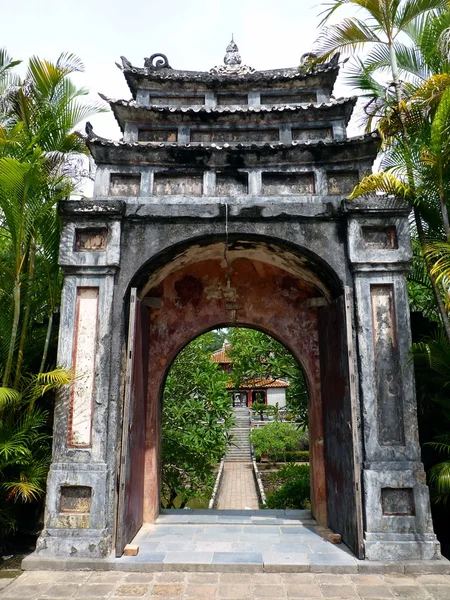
x=266, y=410
x=432, y=365
x=294, y=488
x=197, y=417
x=256, y=355
x=25, y=442
x=402, y=41
x=37, y=146
x=275, y=440
x=297, y=456
x=439, y=474
x=38, y=142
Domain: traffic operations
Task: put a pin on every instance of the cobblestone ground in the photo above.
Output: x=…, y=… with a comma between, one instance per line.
x=237, y=489
x=33, y=585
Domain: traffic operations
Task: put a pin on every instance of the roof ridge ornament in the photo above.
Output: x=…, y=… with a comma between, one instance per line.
x=153, y=64
x=232, y=56
x=232, y=62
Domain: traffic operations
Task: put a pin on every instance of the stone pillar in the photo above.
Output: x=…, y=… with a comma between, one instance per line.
x=79, y=515
x=397, y=519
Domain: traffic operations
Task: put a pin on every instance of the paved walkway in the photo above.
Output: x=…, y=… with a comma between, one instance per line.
x=248, y=541
x=237, y=488
x=224, y=586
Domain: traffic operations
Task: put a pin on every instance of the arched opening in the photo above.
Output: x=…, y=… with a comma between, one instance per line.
x=226, y=389
x=263, y=284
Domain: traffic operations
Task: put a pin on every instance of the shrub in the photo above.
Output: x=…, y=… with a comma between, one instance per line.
x=275, y=440
x=297, y=456
x=294, y=491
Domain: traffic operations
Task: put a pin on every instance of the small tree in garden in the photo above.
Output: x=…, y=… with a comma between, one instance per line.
x=275, y=440
x=197, y=417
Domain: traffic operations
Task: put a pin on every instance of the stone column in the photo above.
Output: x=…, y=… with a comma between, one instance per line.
x=79, y=520
x=397, y=519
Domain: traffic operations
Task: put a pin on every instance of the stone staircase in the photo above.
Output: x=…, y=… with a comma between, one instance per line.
x=239, y=449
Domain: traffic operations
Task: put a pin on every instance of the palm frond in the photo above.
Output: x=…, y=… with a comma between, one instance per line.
x=372, y=7
x=411, y=10
x=439, y=476
x=384, y=183
x=350, y=35
x=8, y=396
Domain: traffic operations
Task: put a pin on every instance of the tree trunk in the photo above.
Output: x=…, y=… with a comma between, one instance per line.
x=47, y=342
x=15, y=327
x=26, y=317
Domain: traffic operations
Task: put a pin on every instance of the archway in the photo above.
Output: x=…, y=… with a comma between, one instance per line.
x=289, y=294
x=227, y=389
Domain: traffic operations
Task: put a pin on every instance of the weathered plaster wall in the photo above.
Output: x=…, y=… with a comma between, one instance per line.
x=276, y=395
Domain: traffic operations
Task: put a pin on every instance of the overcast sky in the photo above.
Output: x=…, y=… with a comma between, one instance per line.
x=192, y=33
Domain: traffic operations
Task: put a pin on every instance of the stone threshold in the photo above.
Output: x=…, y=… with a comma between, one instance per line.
x=130, y=564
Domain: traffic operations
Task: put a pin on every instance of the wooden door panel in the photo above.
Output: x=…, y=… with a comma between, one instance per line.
x=340, y=415
x=131, y=482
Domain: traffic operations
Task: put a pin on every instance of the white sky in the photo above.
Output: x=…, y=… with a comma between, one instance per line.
x=192, y=33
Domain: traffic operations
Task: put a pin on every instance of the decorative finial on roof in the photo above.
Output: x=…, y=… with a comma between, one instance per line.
x=232, y=56
x=232, y=62
x=157, y=61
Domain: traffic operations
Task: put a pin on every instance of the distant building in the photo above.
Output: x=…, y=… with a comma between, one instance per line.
x=265, y=391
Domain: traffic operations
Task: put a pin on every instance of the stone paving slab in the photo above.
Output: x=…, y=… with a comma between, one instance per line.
x=245, y=585
x=236, y=546
x=280, y=516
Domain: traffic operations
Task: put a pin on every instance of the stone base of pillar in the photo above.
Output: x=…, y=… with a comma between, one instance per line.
x=85, y=543
x=401, y=547
x=398, y=525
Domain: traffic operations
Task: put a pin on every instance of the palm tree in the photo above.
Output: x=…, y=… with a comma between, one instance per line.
x=383, y=22
x=401, y=37
x=38, y=117
x=37, y=138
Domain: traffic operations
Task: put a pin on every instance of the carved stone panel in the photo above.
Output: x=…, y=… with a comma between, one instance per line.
x=315, y=133
x=76, y=499
x=157, y=135
x=83, y=365
x=177, y=100
x=172, y=184
x=231, y=184
x=124, y=184
x=341, y=182
x=235, y=135
x=286, y=184
x=380, y=238
x=388, y=370
x=398, y=501
x=281, y=98
x=91, y=240
x=230, y=99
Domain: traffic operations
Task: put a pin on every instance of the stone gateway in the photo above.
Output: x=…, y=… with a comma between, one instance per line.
x=225, y=204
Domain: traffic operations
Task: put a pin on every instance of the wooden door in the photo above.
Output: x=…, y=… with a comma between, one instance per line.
x=341, y=419
x=131, y=478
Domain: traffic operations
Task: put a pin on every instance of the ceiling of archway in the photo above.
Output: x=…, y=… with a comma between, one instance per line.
x=258, y=253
